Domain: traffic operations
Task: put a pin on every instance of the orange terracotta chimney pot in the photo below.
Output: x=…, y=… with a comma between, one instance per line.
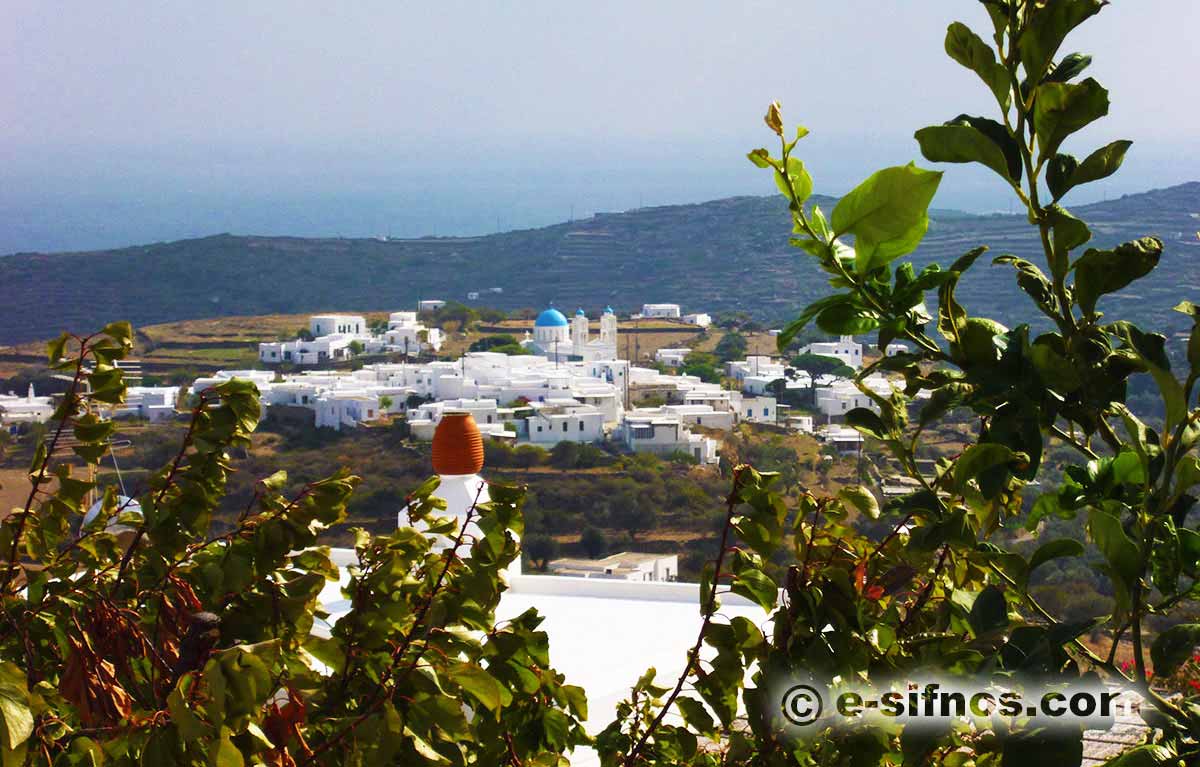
x=457, y=445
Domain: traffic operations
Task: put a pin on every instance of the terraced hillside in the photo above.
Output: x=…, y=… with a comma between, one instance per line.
x=724, y=254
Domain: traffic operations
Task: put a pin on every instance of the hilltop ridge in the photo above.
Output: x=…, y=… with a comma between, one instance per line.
x=719, y=255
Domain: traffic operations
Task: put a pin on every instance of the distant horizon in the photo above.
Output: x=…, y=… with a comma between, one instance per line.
x=535, y=219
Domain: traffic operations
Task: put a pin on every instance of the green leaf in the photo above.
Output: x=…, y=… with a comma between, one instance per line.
x=887, y=214
x=1145, y=756
x=1054, y=369
x=861, y=499
x=847, y=320
x=1058, y=174
x=1063, y=547
x=1071, y=66
x=222, y=752
x=952, y=317
x=1118, y=549
x=972, y=139
x=760, y=157
x=14, y=707
x=696, y=715
x=1100, y=164
x=867, y=421
x=1060, y=109
x=481, y=685
x=797, y=185
x=810, y=312
x=1046, y=30
x=1067, y=233
x=990, y=611
x=1099, y=272
x=756, y=586
x=966, y=47
x=978, y=458
x=557, y=728
x=1173, y=647
x=1150, y=352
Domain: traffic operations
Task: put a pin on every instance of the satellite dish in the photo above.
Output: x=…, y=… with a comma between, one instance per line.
x=124, y=504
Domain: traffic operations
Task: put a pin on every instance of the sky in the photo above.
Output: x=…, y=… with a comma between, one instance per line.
x=126, y=123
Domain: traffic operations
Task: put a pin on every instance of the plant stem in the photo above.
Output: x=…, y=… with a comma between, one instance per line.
x=709, y=610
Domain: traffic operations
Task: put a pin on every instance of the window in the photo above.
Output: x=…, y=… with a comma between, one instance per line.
x=564, y=425
x=766, y=411
x=539, y=429
x=489, y=419
x=581, y=425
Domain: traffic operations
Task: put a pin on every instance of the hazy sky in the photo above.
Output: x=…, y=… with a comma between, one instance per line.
x=131, y=122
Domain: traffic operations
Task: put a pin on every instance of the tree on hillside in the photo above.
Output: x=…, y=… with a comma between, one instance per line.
x=632, y=517
x=732, y=346
x=528, y=456
x=540, y=549
x=487, y=342
x=821, y=364
x=702, y=365
x=593, y=542
x=564, y=455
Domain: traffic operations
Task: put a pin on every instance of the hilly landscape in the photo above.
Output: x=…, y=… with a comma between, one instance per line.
x=729, y=254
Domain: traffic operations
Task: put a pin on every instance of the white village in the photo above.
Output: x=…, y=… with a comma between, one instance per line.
x=570, y=385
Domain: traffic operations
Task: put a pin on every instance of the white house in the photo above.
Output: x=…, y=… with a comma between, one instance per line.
x=405, y=334
x=335, y=409
x=844, y=349
x=488, y=415
x=627, y=566
x=151, y=403
x=29, y=408
x=696, y=415
x=699, y=320
x=834, y=397
x=564, y=420
x=672, y=357
x=758, y=409
x=670, y=311
x=320, y=350
x=328, y=324
x=430, y=305
x=664, y=433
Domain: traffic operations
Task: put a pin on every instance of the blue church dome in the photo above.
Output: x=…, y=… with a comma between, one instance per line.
x=551, y=318
x=608, y=310
x=580, y=313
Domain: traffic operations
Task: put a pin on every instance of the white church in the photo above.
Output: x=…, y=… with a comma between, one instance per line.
x=561, y=341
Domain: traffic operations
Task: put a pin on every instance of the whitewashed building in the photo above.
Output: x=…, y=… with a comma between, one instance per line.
x=664, y=433
x=834, y=397
x=672, y=357
x=24, y=408
x=626, y=566
x=150, y=403
x=669, y=311
x=759, y=410
x=561, y=341
x=564, y=420
x=329, y=324
x=845, y=349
